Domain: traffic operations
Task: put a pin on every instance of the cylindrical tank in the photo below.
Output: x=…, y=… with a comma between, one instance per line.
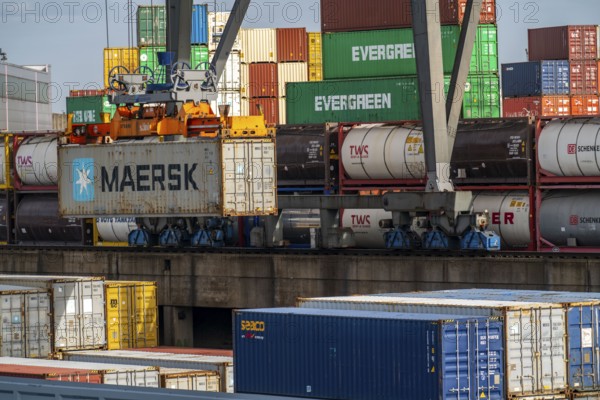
x=303, y=153
x=384, y=152
x=298, y=225
x=115, y=229
x=509, y=215
x=493, y=151
x=36, y=161
x=37, y=221
x=568, y=216
x=570, y=147
x=367, y=226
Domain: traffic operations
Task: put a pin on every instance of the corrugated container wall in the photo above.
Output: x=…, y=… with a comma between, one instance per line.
x=481, y=96
x=391, y=52
x=199, y=24
x=50, y=373
x=258, y=45
x=356, y=15
x=231, y=98
x=263, y=81
x=120, y=56
x=584, y=77
x=59, y=123
x=78, y=309
x=357, y=355
x=290, y=72
x=26, y=328
x=535, y=78
x=223, y=365
x=149, y=59
x=175, y=378
x=230, y=78
x=213, y=184
x=315, y=56
x=291, y=45
x=571, y=42
x=582, y=105
x=270, y=107
x=131, y=314
x=216, y=25
x=282, y=111
x=199, y=57
x=541, y=106
x=151, y=26
x=530, y=328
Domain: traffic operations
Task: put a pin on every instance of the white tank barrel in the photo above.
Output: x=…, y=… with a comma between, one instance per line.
x=367, y=226
x=384, y=152
x=570, y=147
x=36, y=161
x=115, y=229
x=571, y=218
x=509, y=215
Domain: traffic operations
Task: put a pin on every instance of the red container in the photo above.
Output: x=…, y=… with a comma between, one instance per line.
x=187, y=350
x=50, y=374
x=361, y=15
x=292, y=45
x=584, y=76
x=537, y=106
x=584, y=105
x=270, y=108
x=263, y=80
x=571, y=42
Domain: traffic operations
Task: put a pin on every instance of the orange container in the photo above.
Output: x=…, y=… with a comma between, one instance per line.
x=50, y=374
x=584, y=105
x=263, y=80
x=292, y=45
x=537, y=106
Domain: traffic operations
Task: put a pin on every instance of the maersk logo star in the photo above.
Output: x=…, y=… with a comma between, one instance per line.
x=83, y=179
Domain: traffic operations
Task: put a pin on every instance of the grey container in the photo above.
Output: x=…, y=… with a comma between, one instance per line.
x=79, y=320
x=25, y=326
x=186, y=178
x=223, y=365
x=112, y=374
x=535, y=333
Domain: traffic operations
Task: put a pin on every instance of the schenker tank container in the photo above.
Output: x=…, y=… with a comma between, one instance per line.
x=335, y=354
x=535, y=356
x=583, y=321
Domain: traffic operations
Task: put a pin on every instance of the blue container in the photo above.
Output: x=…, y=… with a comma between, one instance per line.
x=583, y=325
x=199, y=24
x=358, y=355
x=536, y=78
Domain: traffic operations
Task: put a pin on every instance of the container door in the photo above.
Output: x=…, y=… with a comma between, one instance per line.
x=38, y=325
x=117, y=317
x=583, y=344
x=67, y=330
x=488, y=365
x=13, y=329
x=145, y=310
x=249, y=177
x=92, y=313
x=457, y=348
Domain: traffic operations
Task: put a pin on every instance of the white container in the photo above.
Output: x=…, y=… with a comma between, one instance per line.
x=183, y=379
x=230, y=78
x=535, y=333
x=383, y=152
x=112, y=374
x=258, y=45
x=508, y=215
x=78, y=308
x=291, y=72
x=35, y=161
x=365, y=224
x=115, y=229
x=232, y=99
x=282, y=111
x=223, y=365
x=25, y=326
x=570, y=147
x=216, y=26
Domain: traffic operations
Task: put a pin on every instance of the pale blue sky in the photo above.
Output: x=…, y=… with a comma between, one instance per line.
x=71, y=35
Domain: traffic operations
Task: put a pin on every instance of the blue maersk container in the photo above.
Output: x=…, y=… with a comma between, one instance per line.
x=199, y=24
x=361, y=355
x=583, y=325
x=536, y=78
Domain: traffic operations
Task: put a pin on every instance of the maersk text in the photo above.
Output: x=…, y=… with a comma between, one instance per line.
x=145, y=178
x=373, y=101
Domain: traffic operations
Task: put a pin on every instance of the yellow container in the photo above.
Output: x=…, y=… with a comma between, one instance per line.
x=123, y=56
x=315, y=49
x=5, y=161
x=131, y=314
x=315, y=72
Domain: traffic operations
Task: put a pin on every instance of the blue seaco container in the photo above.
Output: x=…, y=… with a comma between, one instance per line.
x=341, y=354
x=536, y=78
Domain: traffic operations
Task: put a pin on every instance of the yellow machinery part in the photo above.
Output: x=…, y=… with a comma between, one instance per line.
x=246, y=127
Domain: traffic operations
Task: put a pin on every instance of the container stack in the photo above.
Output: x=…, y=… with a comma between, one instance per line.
x=369, y=65
x=292, y=62
x=561, y=77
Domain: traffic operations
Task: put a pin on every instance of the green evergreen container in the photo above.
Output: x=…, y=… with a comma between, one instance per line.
x=360, y=100
x=199, y=55
x=481, y=97
x=151, y=26
x=391, y=52
x=89, y=109
x=149, y=58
